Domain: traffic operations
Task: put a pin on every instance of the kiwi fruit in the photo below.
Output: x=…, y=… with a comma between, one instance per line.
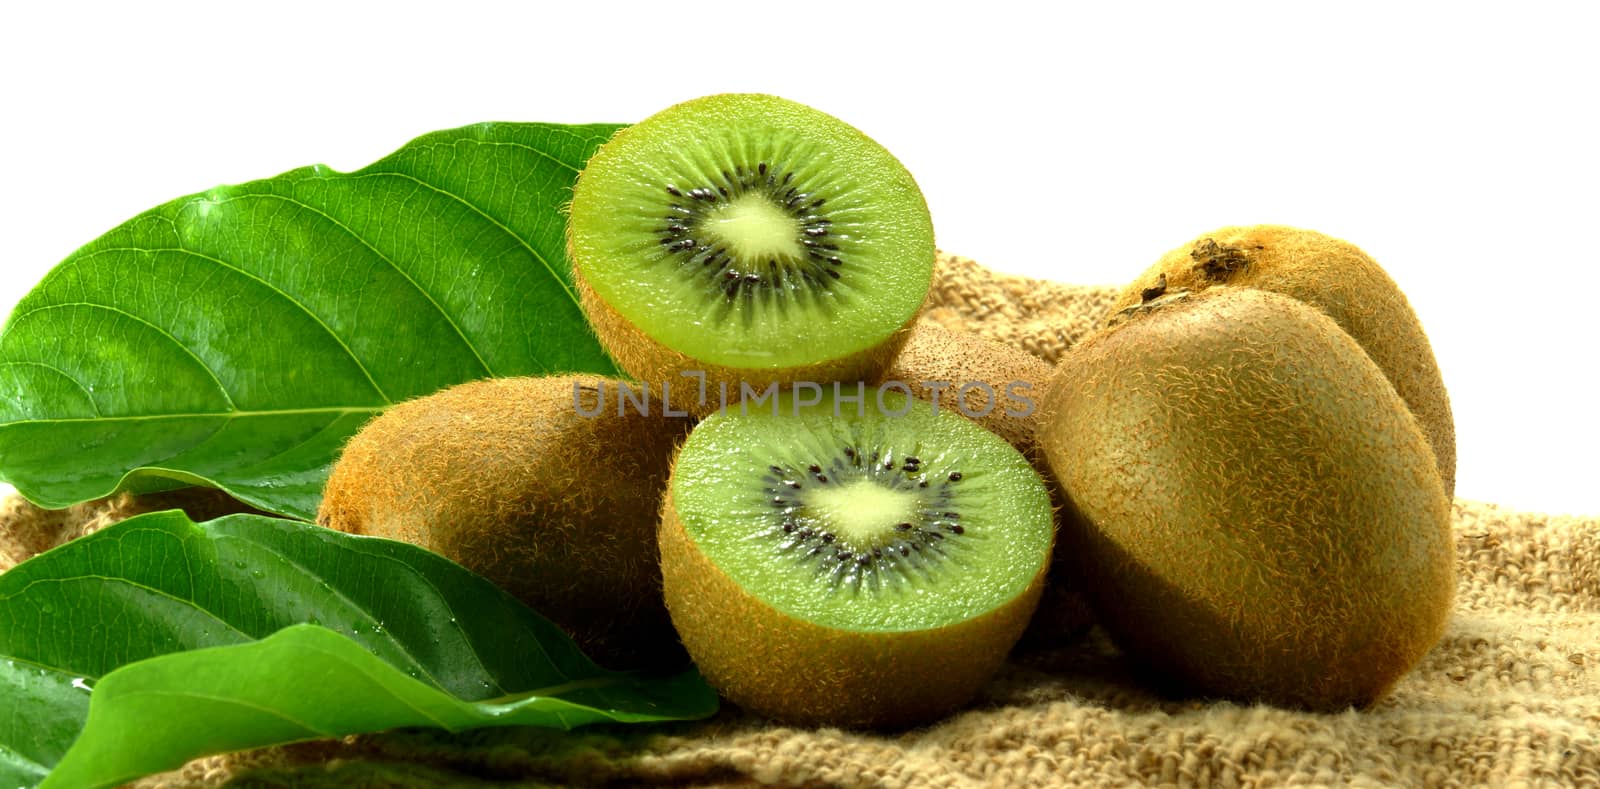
x=548, y=487
x=1337, y=278
x=1256, y=513
x=821, y=558
x=945, y=368
x=995, y=385
x=752, y=240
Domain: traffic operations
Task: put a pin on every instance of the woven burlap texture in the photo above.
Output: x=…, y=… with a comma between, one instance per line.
x=1511, y=695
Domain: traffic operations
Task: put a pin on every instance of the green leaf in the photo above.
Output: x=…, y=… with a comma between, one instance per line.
x=236, y=338
x=42, y=713
x=158, y=601
x=307, y=682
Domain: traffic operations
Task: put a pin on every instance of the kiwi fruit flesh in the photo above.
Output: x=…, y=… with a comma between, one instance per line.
x=946, y=368
x=1256, y=513
x=821, y=560
x=1337, y=278
x=548, y=487
x=752, y=239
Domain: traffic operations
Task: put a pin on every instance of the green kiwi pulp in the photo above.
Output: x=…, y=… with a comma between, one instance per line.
x=810, y=556
x=865, y=507
x=747, y=231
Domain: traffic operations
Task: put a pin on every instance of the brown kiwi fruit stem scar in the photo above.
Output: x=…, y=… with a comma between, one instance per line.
x=1218, y=262
x=1149, y=304
x=1335, y=277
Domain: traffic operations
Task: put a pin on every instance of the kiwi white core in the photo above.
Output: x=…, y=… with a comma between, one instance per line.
x=756, y=229
x=863, y=512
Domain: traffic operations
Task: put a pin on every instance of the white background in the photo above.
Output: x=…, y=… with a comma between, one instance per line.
x=1457, y=145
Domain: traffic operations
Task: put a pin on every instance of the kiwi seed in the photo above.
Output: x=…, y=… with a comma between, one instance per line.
x=810, y=536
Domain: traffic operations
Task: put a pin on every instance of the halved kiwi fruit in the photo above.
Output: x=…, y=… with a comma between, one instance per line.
x=1337, y=278
x=549, y=487
x=750, y=238
x=1000, y=387
x=1254, y=510
x=822, y=562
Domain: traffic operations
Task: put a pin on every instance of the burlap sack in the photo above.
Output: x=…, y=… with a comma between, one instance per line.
x=1510, y=696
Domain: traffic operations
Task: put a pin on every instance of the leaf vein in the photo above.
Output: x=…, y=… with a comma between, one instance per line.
x=112, y=579
x=221, y=389
x=448, y=318
x=380, y=681
x=566, y=287
x=343, y=345
x=87, y=393
x=227, y=700
x=503, y=144
x=16, y=758
x=346, y=599
x=225, y=415
x=244, y=470
x=458, y=627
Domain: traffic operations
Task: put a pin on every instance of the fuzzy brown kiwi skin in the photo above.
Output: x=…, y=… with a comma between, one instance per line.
x=1257, y=514
x=642, y=357
x=936, y=354
x=804, y=674
x=506, y=478
x=1336, y=277
x=933, y=353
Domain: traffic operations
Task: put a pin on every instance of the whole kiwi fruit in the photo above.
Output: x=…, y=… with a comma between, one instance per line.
x=1256, y=512
x=993, y=384
x=549, y=487
x=750, y=240
x=1000, y=387
x=1337, y=278
x=820, y=559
